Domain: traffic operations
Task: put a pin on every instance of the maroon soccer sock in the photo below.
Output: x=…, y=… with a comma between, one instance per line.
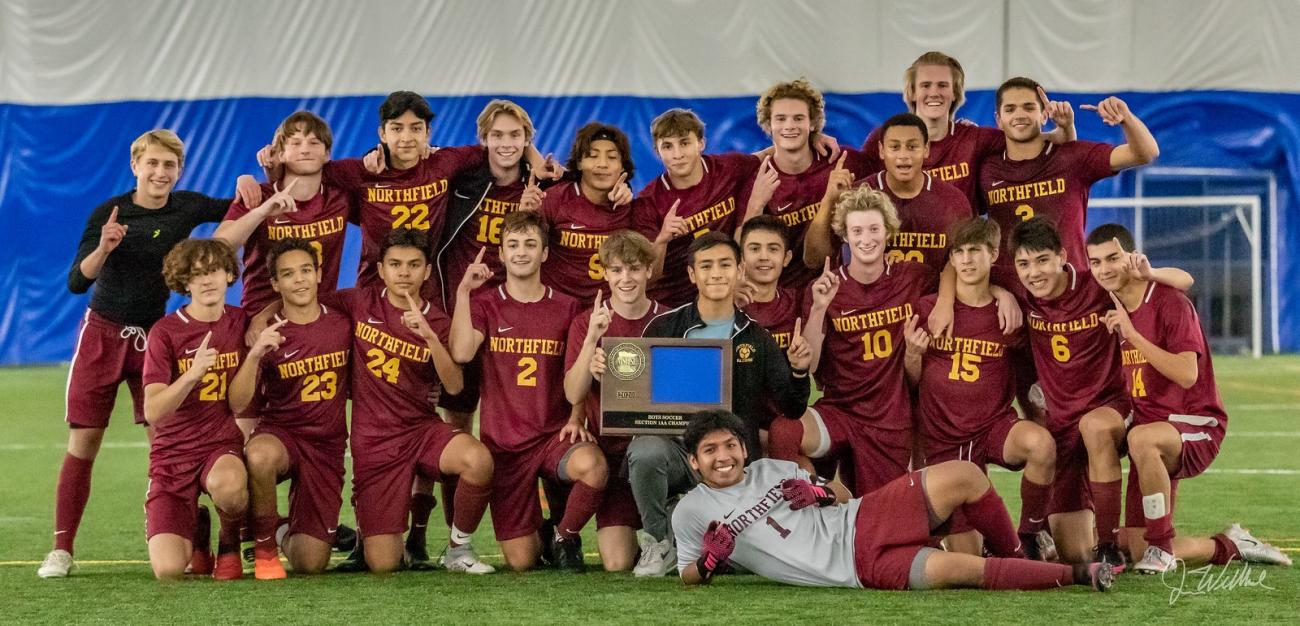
x=1033, y=505
x=471, y=502
x=1225, y=551
x=583, y=502
x=1002, y=574
x=1160, y=533
x=421, y=507
x=448, y=488
x=70, y=500
x=264, y=527
x=989, y=515
x=783, y=439
x=1106, y=504
x=228, y=536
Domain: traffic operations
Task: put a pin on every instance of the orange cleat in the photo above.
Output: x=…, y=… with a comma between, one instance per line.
x=268, y=566
x=229, y=567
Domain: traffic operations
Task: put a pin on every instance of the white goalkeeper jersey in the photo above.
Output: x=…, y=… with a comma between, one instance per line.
x=812, y=546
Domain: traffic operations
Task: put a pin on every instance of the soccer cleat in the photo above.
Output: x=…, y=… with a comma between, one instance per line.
x=658, y=558
x=1110, y=553
x=1038, y=546
x=463, y=559
x=268, y=568
x=356, y=561
x=1252, y=550
x=546, y=533
x=345, y=538
x=568, y=552
x=1156, y=561
x=229, y=567
x=1101, y=575
x=417, y=559
x=57, y=564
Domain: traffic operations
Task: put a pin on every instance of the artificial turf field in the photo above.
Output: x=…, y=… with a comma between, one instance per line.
x=1255, y=480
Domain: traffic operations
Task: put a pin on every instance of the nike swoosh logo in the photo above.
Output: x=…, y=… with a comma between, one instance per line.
x=505, y=329
x=60, y=532
x=378, y=186
x=191, y=351
x=576, y=227
x=1035, y=521
x=996, y=183
x=787, y=205
x=373, y=321
x=728, y=515
x=289, y=355
x=457, y=194
x=849, y=312
x=331, y=531
x=281, y=221
x=262, y=539
x=1035, y=315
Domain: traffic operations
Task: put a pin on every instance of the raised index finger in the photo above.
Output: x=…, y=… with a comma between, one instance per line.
x=203, y=345
x=278, y=324
x=839, y=165
x=112, y=217
x=532, y=178
x=621, y=179
x=798, y=327
x=1043, y=95
x=410, y=302
x=673, y=209
x=1117, y=243
x=479, y=258
x=597, y=305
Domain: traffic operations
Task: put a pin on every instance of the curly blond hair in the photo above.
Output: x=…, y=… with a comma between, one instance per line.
x=864, y=199
x=794, y=90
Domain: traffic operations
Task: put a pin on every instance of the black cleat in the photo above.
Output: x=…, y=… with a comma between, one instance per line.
x=345, y=538
x=549, y=557
x=1038, y=546
x=356, y=562
x=1099, y=576
x=568, y=553
x=1110, y=553
x=417, y=559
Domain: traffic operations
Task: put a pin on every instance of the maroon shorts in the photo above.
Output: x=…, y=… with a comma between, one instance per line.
x=107, y=353
x=467, y=400
x=892, y=526
x=383, y=472
x=878, y=456
x=173, y=493
x=516, y=509
x=619, y=507
x=316, y=490
x=1201, y=437
x=985, y=448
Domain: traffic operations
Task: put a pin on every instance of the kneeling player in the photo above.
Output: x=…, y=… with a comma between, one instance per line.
x=967, y=384
x=191, y=356
x=296, y=369
x=523, y=327
x=772, y=520
x=1179, y=417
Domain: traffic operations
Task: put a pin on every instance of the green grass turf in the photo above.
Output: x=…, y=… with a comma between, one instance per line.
x=114, y=583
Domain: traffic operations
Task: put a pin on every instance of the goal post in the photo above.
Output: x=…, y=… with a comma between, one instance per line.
x=1219, y=215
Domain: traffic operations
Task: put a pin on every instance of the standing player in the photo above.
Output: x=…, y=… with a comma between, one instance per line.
x=121, y=253
x=855, y=326
x=626, y=257
x=306, y=209
x=399, y=366
x=297, y=371
x=1034, y=177
x=192, y=355
x=1178, y=414
x=966, y=385
x=934, y=88
x=761, y=373
x=772, y=518
x=791, y=181
x=583, y=213
x=525, y=422
x=1079, y=370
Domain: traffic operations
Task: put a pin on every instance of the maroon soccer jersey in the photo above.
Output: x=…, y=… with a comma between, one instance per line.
x=967, y=383
x=777, y=315
x=203, y=420
x=303, y=384
x=1076, y=358
x=618, y=327
x=955, y=159
x=861, y=364
x=1167, y=318
x=925, y=220
x=578, y=227
x=411, y=198
x=1054, y=185
x=322, y=221
x=795, y=203
x=715, y=203
x=395, y=386
x=482, y=230
x=523, y=366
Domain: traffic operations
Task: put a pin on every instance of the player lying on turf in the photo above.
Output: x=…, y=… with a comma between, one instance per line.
x=626, y=257
x=966, y=384
x=295, y=379
x=522, y=328
x=197, y=447
x=772, y=519
x=1179, y=419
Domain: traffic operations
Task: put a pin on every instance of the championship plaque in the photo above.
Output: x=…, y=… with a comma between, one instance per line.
x=652, y=385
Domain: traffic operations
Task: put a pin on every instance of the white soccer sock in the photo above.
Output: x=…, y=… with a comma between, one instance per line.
x=459, y=537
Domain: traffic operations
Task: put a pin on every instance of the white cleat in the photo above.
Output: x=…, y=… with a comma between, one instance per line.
x=465, y=561
x=1253, y=550
x=1156, y=561
x=658, y=558
x=57, y=564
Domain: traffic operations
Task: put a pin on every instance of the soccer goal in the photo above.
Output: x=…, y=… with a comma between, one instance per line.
x=1216, y=238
